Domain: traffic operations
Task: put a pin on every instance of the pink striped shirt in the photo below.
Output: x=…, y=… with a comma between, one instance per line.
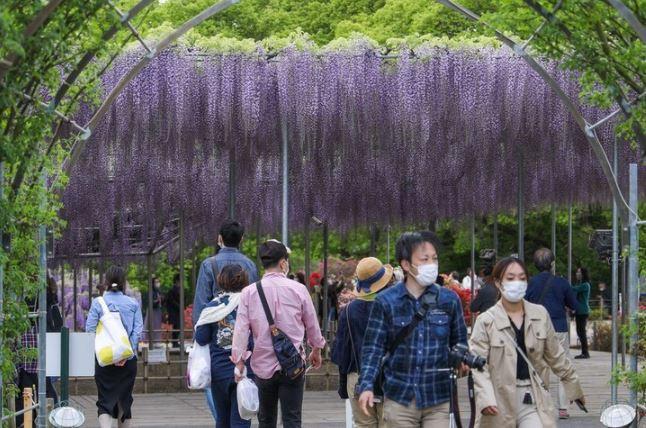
x=293, y=312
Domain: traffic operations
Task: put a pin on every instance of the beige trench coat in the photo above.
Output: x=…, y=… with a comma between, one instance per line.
x=496, y=385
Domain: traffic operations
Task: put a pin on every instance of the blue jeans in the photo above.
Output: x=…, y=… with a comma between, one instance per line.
x=209, y=400
x=226, y=403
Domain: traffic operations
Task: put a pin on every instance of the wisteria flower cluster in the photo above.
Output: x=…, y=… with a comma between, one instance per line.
x=444, y=134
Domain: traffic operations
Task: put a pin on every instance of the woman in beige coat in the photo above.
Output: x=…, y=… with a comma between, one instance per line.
x=510, y=392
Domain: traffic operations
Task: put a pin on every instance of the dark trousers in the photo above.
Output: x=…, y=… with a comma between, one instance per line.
x=581, y=322
x=226, y=404
x=290, y=394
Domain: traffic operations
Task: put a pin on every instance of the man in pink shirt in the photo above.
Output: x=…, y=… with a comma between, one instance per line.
x=293, y=312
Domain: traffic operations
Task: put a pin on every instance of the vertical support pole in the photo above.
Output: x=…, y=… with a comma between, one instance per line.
x=615, y=283
x=387, y=244
x=373, y=240
x=473, y=260
x=521, y=208
x=633, y=277
x=307, y=252
x=41, y=419
x=28, y=417
x=554, y=237
x=569, y=244
x=325, y=278
x=1, y=293
x=232, y=183
x=285, y=233
x=65, y=365
x=75, y=295
x=182, y=274
x=495, y=234
x=62, y=301
x=258, y=262
x=149, y=315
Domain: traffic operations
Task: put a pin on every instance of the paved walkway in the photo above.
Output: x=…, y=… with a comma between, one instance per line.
x=325, y=409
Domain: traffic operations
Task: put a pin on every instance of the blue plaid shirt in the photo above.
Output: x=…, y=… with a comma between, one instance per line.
x=411, y=372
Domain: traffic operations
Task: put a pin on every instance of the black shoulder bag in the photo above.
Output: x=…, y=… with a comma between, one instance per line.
x=429, y=302
x=288, y=356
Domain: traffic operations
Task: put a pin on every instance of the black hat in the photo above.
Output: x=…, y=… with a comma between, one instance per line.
x=272, y=251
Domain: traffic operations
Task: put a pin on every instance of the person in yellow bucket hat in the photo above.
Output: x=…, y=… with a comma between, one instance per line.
x=371, y=277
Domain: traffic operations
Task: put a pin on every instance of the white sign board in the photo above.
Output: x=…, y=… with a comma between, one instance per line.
x=157, y=356
x=81, y=354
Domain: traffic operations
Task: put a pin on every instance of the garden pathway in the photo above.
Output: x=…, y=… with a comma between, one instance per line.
x=324, y=409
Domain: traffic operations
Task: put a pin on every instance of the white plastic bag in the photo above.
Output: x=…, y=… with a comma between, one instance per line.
x=111, y=343
x=198, y=371
x=247, y=394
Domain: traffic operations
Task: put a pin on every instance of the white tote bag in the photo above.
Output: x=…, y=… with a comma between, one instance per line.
x=111, y=343
x=198, y=371
x=248, y=401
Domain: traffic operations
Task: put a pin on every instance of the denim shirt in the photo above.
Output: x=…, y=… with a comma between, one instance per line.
x=127, y=307
x=207, y=288
x=413, y=371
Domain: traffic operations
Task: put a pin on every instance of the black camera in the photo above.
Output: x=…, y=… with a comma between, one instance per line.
x=460, y=354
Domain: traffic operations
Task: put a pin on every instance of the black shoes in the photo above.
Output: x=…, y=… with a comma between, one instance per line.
x=582, y=357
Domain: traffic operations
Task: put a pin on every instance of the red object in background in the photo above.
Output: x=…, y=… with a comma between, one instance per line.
x=465, y=298
x=188, y=321
x=315, y=279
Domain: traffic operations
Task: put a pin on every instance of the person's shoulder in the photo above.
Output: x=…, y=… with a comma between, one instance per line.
x=131, y=301
x=390, y=294
x=535, y=310
x=447, y=294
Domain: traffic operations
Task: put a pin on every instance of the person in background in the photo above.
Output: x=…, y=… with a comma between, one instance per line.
x=293, y=313
x=115, y=382
x=466, y=281
x=173, y=309
x=555, y=293
x=605, y=298
x=215, y=328
x=582, y=290
x=229, y=241
x=27, y=367
x=521, y=347
x=488, y=295
x=372, y=278
x=416, y=392
x=154, y=337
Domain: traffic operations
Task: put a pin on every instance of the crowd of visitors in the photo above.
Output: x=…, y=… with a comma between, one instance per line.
x=397, y=330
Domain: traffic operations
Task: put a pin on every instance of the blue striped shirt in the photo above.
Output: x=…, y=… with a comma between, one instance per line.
x=411, y=373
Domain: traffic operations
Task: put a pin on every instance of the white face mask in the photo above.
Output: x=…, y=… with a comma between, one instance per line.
x=514, y=291
x=426, y=274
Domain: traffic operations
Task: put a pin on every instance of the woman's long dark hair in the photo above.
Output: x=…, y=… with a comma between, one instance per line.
x=584, y=274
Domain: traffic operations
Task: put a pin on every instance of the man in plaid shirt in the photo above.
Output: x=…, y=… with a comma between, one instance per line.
x=416, y=389
x=27, y=368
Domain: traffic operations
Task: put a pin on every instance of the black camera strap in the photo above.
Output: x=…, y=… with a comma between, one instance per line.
x=429, y=302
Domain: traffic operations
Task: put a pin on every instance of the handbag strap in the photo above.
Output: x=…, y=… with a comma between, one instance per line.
x=529, y=364
x=429, y=301
x=265, y=306
x=354, y=354
x=104, y=306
